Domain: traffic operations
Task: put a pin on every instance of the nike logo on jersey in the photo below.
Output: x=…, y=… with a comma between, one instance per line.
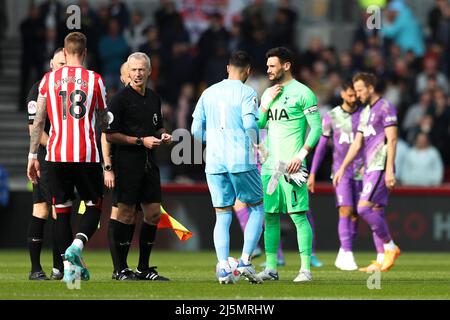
x=277, y=115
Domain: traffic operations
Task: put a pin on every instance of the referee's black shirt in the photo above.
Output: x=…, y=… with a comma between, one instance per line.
x=135, y=115
x=32, y=108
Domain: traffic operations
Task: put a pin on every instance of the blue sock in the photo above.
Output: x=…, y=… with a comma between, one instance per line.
x=253, y=230
x=222, y=234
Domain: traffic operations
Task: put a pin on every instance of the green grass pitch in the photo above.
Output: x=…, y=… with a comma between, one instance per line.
x=415, y=276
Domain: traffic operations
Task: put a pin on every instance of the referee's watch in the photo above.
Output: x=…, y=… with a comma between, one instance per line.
x=107, y=167
x=139, y=141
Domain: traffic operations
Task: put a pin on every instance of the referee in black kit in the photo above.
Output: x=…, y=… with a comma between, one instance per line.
x=136, y=128
x=42, y=202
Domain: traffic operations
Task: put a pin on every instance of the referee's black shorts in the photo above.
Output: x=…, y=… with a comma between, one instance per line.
x=41, y=190
x=86, y=177
x=136, y=182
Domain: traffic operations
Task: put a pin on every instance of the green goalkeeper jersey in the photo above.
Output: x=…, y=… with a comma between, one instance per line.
x=286, y=122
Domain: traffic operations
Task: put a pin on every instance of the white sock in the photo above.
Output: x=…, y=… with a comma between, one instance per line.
x=55, y=271
x=380, y=257
x=349, y=255
x=245, y=258
x=389, y=246
x=78, y=243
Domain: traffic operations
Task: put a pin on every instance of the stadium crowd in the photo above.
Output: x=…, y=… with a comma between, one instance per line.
x=412, y=65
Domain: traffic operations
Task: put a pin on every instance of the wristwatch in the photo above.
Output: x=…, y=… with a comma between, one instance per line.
x=107, y=167
x=139, y=141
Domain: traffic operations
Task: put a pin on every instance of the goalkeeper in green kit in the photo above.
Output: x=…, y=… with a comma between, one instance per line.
x=286, y=109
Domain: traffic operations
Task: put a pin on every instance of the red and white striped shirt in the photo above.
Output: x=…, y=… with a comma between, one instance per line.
x=72, y=94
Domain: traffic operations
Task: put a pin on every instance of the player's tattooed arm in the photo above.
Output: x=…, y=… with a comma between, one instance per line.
x=44, y=137
x=38, y=125
x=103, y=119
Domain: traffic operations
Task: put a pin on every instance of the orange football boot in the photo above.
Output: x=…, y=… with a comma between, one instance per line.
x=389, y=258
x=374, y=266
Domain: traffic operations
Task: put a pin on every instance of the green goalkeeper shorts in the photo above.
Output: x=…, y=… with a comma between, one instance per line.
x=287, y=198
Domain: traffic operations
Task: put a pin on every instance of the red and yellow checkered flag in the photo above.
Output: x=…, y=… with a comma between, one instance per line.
x=167, y=221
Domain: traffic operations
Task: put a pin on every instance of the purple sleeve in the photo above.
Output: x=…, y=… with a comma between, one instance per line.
x=389, y=115
x=321, y=149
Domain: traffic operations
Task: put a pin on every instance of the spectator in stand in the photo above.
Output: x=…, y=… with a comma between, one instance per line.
x=257, y=47
x=90, y=27
x=113, y=51
x=176, y=61
x=443, y=37
x=151, y=44
x=440, y=112
x=235, y=42
x=51, y=13
x=103, y=20
x=119, y=10
x=329, y=57
x=166, y=15
x=320, y=84
x=172, y=33
x=256, y=15
x=403, y=28
x=422, y=164
x=135, y=33
x=358, y=55
x=32, y=31
x=377, y=65
x=362, y=33
x=215, y=69
x=400, y=156
x=180, y=71
x=345, y=68
x=312, y=52
x=50, y=42
x=436, y=16
x=152, y=47
x=431, y=72
x=283, y=27
x=415, y=113
x=213, y=41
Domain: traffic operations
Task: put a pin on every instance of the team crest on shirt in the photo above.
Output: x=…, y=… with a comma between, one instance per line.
x=32, y=107
x=155, y=119
x=110, y=117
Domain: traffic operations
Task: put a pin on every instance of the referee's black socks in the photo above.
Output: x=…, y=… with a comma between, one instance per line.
x=34, y=239
x=146, y=241
x=119, y=237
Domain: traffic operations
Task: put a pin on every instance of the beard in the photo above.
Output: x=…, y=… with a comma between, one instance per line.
x=278, y=78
